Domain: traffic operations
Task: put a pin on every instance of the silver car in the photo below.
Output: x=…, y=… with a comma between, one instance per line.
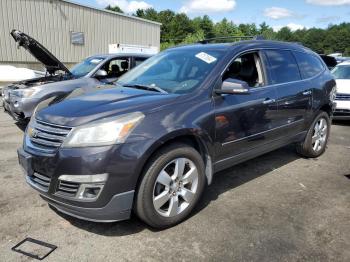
x=21, y=98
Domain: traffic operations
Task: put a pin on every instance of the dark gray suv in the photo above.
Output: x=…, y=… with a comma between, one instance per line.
x=152, y=144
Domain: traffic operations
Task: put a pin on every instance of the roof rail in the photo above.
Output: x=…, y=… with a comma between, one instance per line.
x=235, y=38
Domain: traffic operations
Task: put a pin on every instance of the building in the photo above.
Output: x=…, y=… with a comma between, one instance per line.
x=69, y=30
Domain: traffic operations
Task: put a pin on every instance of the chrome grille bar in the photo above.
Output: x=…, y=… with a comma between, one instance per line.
x=46, y=137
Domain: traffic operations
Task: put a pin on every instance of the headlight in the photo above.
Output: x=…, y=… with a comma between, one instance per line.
x=27, y=92
x=108, y=131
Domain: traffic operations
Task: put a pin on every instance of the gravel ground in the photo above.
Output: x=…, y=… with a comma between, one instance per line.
x=278, y=207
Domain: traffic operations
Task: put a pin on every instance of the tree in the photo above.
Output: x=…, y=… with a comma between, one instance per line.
x=114, y=9
x=207, y=26
x=285, y=34
x=179, y=28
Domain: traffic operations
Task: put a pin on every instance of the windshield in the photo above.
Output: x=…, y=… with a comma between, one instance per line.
x=341, y=72
x=174, y=71
x=86, y=66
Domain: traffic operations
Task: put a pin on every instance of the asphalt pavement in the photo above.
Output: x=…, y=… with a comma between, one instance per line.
x=277, y=207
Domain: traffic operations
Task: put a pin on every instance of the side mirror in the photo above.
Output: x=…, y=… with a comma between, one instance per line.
x=233, y=86
x=100, y=73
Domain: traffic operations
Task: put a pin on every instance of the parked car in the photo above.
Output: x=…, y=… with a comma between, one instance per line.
x=342, y=75
x=21, y=98
x=152, y=145
x=10, y=74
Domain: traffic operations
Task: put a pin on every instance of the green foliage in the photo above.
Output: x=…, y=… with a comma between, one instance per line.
x=114, y=9
x=178, y=28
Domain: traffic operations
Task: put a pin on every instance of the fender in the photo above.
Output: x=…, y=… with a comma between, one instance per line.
x=203, y=140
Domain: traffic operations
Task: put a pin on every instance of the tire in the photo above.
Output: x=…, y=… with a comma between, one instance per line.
x=155, y=186
x=308, y=147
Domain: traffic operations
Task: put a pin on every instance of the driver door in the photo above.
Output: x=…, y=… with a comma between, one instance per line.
x=244, y=121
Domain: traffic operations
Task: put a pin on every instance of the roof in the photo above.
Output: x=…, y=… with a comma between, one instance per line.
x=111, y=12
x=251, y=44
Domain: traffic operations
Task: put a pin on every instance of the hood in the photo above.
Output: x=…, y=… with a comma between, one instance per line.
x=92, y=106
x=343, y=86
x=51, y=63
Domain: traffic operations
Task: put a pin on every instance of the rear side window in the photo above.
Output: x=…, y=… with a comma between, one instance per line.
x=309, y=65
x=283, y=66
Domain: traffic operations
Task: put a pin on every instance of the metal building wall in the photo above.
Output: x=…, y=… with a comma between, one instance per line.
x=51, y=21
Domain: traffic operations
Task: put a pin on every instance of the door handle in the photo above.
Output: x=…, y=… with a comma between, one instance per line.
x=306, y=93
x=268, y=101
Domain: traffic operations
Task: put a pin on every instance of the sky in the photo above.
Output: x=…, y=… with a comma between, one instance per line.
x=295, y=14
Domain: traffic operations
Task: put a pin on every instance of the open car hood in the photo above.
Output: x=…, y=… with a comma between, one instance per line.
x=51, y=63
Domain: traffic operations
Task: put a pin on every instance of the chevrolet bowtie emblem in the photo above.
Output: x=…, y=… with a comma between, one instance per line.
x=32, y=132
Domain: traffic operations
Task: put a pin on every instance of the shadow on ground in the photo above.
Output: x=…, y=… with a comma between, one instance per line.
x=341, y=122
x=223, y=181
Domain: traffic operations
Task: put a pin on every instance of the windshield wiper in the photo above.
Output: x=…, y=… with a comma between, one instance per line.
x=144, y=87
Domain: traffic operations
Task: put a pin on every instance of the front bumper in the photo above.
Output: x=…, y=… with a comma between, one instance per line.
x=342, y=110
x=115, y=201
x=20, y=108
x=119, y=208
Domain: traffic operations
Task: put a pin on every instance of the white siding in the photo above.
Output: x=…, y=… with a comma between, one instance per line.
x=51, y=21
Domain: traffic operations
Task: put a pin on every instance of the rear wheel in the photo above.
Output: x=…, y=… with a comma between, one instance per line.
x=316, y=139
x=171, y=186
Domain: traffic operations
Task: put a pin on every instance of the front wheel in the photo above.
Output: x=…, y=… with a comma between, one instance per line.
x=171, y=186
x=316, y=139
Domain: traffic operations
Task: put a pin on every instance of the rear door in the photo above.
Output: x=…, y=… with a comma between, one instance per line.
x=294, y=95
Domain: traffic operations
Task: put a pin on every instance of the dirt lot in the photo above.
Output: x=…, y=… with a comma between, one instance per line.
x=278, y=207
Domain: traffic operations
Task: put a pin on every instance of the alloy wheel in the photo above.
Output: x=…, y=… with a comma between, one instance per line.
x=319, y=136
x=175, y=187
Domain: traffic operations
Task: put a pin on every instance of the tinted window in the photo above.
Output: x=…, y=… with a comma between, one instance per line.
x=309, y=65
x=283, y=66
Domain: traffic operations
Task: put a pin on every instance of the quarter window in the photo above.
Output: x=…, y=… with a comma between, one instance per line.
x=309, y=65
x=283, y=66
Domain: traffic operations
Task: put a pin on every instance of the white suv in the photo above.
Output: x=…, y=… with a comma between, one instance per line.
x=342, y=75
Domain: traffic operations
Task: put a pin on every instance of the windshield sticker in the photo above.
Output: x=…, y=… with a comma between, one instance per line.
x=95, y=61
x=206, y=57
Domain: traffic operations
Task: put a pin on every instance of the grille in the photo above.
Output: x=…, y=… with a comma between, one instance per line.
x=342, y=97
x=342, y=112
x=45, y=137
x=40, y=181
x=66, y=188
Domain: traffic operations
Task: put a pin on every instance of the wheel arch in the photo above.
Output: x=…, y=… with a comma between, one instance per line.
x=188, y=137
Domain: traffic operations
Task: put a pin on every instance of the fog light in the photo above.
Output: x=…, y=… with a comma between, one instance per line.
x=91, y=192
x=89, y=187
x=16, y=104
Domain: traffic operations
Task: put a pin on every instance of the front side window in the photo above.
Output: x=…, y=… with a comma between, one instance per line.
x=341, y=72
x=283, y=66
x=309, y=65
x=86, y=66
x=248, y=68
x=116, y=67
x=174, y=71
